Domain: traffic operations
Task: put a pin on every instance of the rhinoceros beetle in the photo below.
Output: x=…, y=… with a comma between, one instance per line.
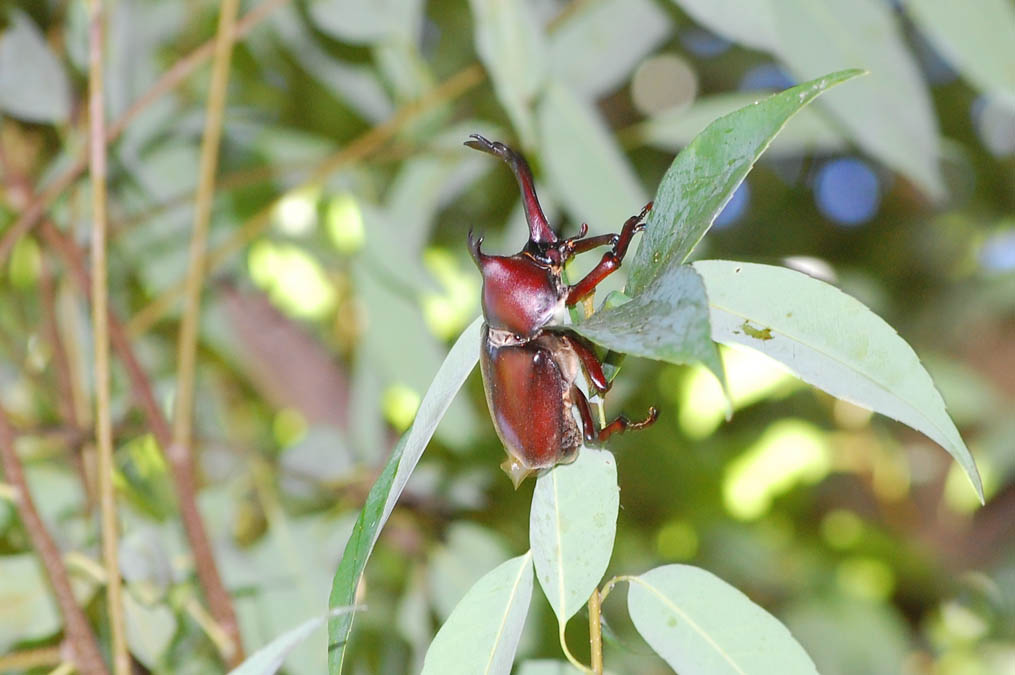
x=528, y=356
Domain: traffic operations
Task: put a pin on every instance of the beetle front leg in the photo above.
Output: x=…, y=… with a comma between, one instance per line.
x=623, y=424
x=611, y=260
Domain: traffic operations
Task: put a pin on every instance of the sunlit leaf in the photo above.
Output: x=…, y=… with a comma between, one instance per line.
x=512, y=47
x=747, y=22
x=571, y=528
x=978, y=43
x=667, y=321
x=385, y=492
x=704, y=176
x=700, y=624
x=810, y=130
x=820, y=37
x=482, y=633
x=597, y=47
x=829, y=340
x=584, y=164
x=33, y=84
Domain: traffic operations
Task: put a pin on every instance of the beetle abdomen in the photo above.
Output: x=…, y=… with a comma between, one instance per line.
x=528, y=389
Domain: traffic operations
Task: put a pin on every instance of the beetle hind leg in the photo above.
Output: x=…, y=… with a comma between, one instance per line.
x=624, y=424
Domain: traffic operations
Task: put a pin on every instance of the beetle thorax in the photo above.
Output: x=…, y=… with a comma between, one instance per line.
x=520, y=295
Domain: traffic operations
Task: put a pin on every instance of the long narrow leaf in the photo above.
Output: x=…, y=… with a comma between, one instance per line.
x=385, y=492
x=832, y=341
x=269, y=658
x=707, y=172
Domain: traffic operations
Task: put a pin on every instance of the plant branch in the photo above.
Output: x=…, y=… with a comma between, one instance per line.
x=42, y=657
x=187, y=344
x=361, y=147
x=169, y=81
x=82, y=641
x=180, y=464
x=100, y=339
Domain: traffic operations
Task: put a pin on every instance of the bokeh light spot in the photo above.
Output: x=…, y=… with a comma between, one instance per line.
x=703, y=43
x=767, y=76
x=296, y=213
x=345, y=224
x=847, y=191
x=677, y=540
x=292, y=278
x=289, y=426
x=663, y=82
x=789, y=452
x=867, y=578
x=841, y=528
x=399, y=403
x=26, y=263
x=446, y=313
x=998, y=252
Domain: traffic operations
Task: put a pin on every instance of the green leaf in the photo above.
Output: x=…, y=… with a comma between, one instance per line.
x=832, y=341
x=33, y=83
x=482, y=633
x=149, y=629
x=673, y=129
x=596, y=49
x=27, y=609
x=382, y=497
x=746, y=22
x=512, y=47
x=700, y=624
x=704, y=176
x=571, y=528
x=269, y=658
x=584, y=164
x=889, y=114
x=368, y=21
x=978, y=43
x=667, y=321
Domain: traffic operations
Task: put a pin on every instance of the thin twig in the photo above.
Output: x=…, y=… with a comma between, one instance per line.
x=31, y=658
x=180, y=464
x=360, y=148
x=187, y=344
x=100, y=339
x=169, y=81
x=79, y=634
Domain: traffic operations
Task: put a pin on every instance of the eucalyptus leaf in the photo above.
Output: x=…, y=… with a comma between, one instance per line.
x=700, y=624
x=980, y=43
x=149, y=628
x=704, y=176
x=673, y=129
x=747, y=22
x=584, y=164
x=513, y=50
x=667, y=321
x=33, y=83
x=269, y=658
x=596, y=49
x=572, y=524
x=385, y=492
x=368, y=21
x=27, y=608
x=482, y=633
x=889, y=114
x=832, y=341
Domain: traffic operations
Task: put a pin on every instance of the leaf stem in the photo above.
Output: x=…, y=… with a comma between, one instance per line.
x=567, y=652
x=100, y=340
x=596, y=632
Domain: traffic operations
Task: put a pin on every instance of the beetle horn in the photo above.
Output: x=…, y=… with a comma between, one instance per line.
x=539, y=229
x=474, y=249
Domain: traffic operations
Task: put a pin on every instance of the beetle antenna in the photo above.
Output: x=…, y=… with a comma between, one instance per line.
x=539, y=229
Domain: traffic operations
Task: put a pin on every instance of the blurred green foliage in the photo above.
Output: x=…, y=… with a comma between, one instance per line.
x=319, y=336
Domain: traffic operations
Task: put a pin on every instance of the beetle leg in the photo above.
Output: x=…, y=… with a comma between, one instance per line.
x=590, y=361
x=582, y=403
x=593, y=242
x=539, y=229
x=623, y=424
x=611, y=259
